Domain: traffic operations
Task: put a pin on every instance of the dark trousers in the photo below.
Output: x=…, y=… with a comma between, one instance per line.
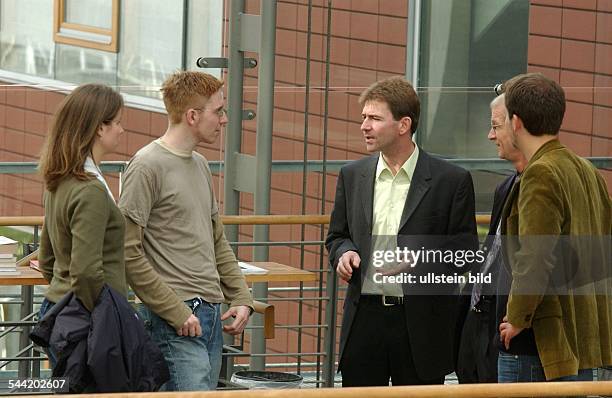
x=378, y=348
x=477, y=362
x=45, y=306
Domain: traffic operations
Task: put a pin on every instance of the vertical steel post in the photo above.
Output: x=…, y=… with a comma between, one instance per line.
x=329, y=366
x=263, y=161
x=233, y=136
x=330, y=342
x=413, y=48
x=233, y=132
x=27, y=306
x=413, y=41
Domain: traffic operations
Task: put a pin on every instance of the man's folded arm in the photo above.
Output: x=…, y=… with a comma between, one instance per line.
x=146, y=282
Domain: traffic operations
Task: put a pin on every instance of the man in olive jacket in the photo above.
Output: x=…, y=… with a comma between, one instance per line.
x=558, y=223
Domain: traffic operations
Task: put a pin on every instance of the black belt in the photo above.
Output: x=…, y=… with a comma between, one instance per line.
x=387, y=301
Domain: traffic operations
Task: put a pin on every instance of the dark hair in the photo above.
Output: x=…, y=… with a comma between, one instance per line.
x=74, y=130
x=399, y=95
x=538, y=100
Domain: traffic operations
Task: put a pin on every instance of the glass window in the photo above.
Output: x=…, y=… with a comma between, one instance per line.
x=151, y=44
x=87, y=41
x=96, y=13
x=204, y=32
x=87, y=23
x=466, y=48
x=26, y=44
x=85, y=65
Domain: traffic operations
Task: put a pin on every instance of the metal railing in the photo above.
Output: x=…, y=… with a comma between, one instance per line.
x=297, y=166
x=321, y=361
x=321, y=297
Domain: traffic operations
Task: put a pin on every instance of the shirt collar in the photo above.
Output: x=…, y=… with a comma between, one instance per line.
x=409, y=165
x=177, y=152
x=91, y=167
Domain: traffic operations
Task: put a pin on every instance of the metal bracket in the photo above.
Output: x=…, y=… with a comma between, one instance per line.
x=244, y=180
x=250, y=32
x=207, y=62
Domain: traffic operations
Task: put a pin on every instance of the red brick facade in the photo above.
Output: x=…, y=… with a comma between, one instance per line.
x=571, y=41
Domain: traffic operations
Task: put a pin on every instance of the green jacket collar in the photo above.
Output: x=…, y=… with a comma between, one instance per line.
x=550, y=146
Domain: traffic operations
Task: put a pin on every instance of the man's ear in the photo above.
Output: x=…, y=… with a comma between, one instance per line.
x=516, y=123
x=189, y=117
x=405, y=125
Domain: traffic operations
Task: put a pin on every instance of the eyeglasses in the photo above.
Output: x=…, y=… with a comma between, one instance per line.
x=219, y=112
x=494, y=127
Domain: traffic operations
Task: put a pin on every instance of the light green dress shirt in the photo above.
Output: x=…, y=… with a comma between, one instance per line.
x=390, y=193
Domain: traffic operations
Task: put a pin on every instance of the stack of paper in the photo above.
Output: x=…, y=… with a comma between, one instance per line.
x=8, y=260
x=251, y=269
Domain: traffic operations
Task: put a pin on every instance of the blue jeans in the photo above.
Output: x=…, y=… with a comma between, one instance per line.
x=194, y=362
x=528, y=368
x=45, y=306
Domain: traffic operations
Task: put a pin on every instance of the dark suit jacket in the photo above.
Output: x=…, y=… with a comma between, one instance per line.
x=483, y=346
x=440, y=201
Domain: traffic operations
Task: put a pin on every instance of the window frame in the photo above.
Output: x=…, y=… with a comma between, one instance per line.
x=60, y=23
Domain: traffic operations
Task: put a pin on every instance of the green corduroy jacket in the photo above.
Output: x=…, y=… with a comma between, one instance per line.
x=560, y=195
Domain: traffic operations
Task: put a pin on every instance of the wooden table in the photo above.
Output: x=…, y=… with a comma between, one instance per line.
x=28, y=278
x=276, y=273
x=280, y=273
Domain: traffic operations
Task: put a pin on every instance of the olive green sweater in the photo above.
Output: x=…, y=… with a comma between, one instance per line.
x=82, y=240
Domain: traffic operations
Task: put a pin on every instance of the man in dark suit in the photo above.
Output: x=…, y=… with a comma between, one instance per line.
x=388, y=331
x=478, y=351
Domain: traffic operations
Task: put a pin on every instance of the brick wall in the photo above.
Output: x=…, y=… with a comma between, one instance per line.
x=571, y=42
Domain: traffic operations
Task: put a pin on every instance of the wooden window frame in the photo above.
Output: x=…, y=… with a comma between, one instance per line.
x=65, y=38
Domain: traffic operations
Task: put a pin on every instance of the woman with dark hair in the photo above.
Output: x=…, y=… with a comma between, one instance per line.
x=81, y=244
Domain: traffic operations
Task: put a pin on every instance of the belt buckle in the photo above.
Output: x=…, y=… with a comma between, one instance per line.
x=196, y=302
x=384, y=301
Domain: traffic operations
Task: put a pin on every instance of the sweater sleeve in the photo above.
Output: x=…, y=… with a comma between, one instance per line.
x=88, y=214
x=147, y=283
x=46, y=257
x=233, y=284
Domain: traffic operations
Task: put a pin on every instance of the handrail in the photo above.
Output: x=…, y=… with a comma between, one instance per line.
x=548, y=389
x=290, y=219
x=297, y=166
x=28, y=221
x=275, y=219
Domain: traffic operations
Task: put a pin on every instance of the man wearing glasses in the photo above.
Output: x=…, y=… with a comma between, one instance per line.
x=478, y=351
x=178, y=260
